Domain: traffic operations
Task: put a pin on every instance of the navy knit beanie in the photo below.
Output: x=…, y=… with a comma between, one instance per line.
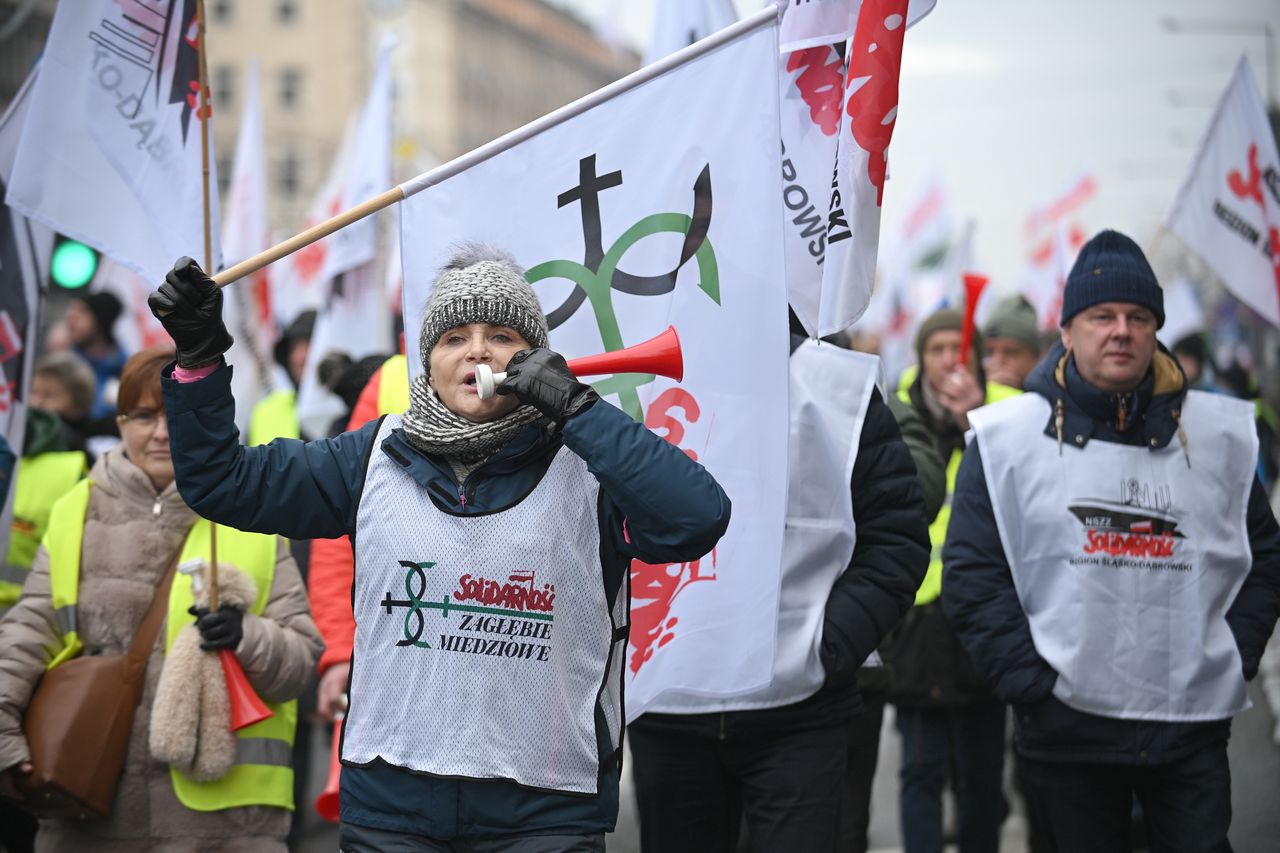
x=1111, y=268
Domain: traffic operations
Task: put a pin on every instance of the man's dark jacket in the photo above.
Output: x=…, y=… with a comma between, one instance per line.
x=982, y=605
x=655, y=505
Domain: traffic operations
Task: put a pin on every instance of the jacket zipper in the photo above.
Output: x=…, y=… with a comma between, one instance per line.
x=155, y=507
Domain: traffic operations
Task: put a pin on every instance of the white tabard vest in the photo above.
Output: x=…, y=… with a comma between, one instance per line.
x=484, y=643
x=1126, y=558
x=830, y=390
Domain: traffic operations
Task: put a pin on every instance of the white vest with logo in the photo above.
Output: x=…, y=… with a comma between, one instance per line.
x=1126, y=559
x=484, y=644
x=830, y=389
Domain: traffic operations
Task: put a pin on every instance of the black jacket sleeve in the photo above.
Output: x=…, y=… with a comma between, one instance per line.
x=1253, y=614
x=978, y=596
x=891, y=553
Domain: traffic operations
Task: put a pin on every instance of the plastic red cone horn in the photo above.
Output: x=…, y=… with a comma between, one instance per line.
x=973, y=286
x=246, y=707
x=660, y=355
x=327, y=802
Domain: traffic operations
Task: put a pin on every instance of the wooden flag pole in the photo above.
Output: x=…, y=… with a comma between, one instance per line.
x=203, y=115
x=768, y=16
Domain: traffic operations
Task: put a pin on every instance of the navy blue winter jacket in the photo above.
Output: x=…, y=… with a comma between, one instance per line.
x=982, y=605
x=671, y=508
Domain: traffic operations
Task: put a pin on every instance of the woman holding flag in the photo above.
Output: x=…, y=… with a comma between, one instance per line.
x=492, y=544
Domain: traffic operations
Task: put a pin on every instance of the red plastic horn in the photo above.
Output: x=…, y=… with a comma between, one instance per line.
x=327, y=802
x=661, y=355
x=973, y=286
x=246, y=707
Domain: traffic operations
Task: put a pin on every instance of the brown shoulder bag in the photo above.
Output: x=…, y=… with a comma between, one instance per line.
x=79, y=720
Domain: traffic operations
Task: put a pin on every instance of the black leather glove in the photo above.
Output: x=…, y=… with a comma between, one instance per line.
x=541, y=378
x=220, y=629
x=189, y=306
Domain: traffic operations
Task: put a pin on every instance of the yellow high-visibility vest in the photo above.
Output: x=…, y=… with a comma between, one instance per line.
x=931, y=587
x=393, y=386
x=276, y=416
x=41, y=480
x=263, y=772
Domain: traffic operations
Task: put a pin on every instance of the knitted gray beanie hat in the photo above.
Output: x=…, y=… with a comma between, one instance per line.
x=482, y=284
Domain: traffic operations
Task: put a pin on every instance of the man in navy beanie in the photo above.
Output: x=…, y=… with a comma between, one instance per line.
x=1113, y=570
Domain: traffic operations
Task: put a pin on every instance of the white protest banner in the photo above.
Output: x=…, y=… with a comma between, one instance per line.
x=679, y=23
x=815, y=23
x=1227, y=210
x=24, y=252
x=656, y=207
x=110, y=151
x=837, y=121
x=247, y=307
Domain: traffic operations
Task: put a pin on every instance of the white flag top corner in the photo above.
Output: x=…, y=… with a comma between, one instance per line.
x=659, y=206
x=110, y=152
x=1227, y=210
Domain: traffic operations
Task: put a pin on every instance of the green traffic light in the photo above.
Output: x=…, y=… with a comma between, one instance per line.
x=73, y=264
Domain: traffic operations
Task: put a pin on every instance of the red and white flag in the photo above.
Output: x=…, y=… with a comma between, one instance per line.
x=1227, y=210
x=247, y=303
x=839, y=103
x=110, y=150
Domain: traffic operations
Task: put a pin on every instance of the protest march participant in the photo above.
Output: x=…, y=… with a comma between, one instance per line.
x=1010, y=341
x=1113, y=569
x=485, y=703
x=109, y=550
x=855, y=549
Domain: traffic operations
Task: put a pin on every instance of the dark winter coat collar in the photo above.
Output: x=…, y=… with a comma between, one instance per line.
x=1149, y=416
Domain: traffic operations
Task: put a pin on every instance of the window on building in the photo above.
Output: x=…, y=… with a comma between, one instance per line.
x=290, y=88
x=224, y=86
x=286, y=11
x=290, y=174
x=221, y=10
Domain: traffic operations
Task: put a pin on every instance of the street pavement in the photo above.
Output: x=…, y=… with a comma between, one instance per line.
x=1255, y=794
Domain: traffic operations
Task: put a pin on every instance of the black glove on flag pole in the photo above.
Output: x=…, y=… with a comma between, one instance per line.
x=189, y=306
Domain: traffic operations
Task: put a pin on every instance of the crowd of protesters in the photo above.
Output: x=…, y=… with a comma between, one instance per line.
x=1018, y=553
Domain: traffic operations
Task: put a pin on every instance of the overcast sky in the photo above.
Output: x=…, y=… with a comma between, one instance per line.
x=1008, y=100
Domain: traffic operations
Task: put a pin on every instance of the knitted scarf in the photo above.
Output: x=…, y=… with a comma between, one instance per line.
x=432, y=428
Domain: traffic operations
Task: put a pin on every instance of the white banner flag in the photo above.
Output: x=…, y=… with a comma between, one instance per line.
x=1228, y=208
x=837, y=120
x=110, y=152
x=247, y=304
x=818, y=23
x=659, y=207
x=24, y=250
x=679, y=23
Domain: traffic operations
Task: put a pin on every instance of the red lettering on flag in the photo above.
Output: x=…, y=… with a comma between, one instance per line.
x=821, y=84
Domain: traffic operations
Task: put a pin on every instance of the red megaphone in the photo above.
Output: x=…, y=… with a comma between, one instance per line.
x=660, y=355
x=246, y=707
x=973, y=287
x=327, y=802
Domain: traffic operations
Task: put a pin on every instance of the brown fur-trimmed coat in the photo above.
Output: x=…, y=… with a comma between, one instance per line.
x=131, y=534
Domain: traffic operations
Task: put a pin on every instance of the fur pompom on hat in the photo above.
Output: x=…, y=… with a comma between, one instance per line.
x=482, y=284
x=191, y=714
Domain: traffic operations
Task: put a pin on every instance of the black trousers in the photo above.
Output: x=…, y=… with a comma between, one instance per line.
x=696, y=783
x=1186, y=804
x=859, y=777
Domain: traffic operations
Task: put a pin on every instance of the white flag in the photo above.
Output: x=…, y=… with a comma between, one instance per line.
x=838, y=113
x=1228, y=208
x=679, y=23
x=247, y=303
x=361, y=170
x=659, y=207
x=24, y=251
x=818, y=23
x=110, y=152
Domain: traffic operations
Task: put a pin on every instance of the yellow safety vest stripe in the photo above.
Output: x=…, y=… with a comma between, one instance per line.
x=275, y=417
x=393, y=386
x=263, y=773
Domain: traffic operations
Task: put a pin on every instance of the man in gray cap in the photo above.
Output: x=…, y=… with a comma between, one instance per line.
x=1010, y=341
x=1113, y=569
x=492, y=542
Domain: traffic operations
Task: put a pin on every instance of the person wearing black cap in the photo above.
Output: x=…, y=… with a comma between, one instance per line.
x=276, y=415
x=90, y=323
x=1113, y=569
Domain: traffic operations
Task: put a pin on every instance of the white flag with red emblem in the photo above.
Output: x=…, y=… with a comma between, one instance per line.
x=110, y=151
x=1228, y=208
x=839, y=103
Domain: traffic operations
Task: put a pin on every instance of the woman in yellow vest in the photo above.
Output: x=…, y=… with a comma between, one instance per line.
x=109, y=543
